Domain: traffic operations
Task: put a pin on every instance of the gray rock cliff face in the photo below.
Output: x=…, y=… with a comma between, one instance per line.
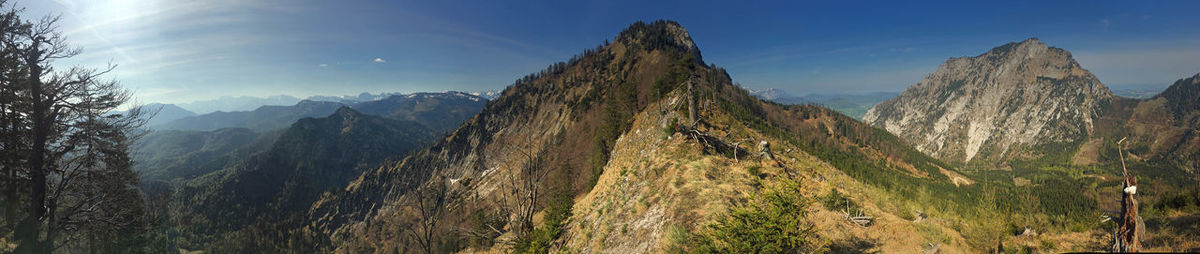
x=992, y=105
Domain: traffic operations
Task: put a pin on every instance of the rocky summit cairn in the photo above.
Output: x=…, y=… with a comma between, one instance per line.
x=987, y=106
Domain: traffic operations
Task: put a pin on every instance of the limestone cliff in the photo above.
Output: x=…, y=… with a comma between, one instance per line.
x=994, y=105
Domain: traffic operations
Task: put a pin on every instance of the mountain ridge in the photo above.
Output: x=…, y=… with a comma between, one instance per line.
x=237, y=103
x=569, y=118
x=851, y=104
x=313, y=156
x=441, y=111
x=1184, y=99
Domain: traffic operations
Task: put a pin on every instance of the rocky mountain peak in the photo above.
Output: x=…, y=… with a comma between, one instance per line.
x=1182, y=99
x=1028, y=59
x=659, y=35
x=1031, y=45
x=1017, y=95
x=346, y=114
x=1184, y=87
x=1187, y=86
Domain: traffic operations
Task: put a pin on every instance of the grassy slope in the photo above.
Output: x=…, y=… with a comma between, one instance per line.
x=659, y=183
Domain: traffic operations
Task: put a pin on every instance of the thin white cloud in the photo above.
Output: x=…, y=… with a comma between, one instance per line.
x=323, y=65
x=131, y=32
x=379, y=60
x=474, y=37
x=162, y=46
x=164, y=64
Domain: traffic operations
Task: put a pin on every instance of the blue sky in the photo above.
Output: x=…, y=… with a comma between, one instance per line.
x=184, y=50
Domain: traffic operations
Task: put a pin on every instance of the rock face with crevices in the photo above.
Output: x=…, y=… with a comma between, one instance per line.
x=995, y=105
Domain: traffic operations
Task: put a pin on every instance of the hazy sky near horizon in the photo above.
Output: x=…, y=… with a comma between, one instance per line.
x=176, y=51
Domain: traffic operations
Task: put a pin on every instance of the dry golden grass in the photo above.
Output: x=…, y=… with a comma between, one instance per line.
x=651, y=182
x=955, y=177
x=1089, y=153
x=1177, y=233
x=889, y=233
x=655, y=182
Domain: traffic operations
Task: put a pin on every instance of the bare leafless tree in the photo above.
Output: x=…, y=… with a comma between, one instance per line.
x=487, y=225
x=430, y=203
x=522, y=186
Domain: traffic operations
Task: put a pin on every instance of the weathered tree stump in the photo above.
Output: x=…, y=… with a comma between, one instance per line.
x=1129, y=232
x=764, y=150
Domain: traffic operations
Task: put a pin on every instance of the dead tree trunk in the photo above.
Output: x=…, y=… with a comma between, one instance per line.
x=1128, y=235
x=37, y=156
x=691, y=102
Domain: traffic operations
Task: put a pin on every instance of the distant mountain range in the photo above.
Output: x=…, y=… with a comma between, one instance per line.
x=487, y=94
x=439, y=111
x=238, y=103
x=1136, y=92
x=351, y=99
x=264, y=118
x=234, y=171
x=852, y=104
x=162, y=113
x=238, y=181
x=192, y=146
x=248, y=103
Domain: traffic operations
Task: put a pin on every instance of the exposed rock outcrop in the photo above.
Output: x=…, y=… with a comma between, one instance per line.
x=990, y=106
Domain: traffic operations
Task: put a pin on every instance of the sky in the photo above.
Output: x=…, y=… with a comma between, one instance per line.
x=175, y=51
